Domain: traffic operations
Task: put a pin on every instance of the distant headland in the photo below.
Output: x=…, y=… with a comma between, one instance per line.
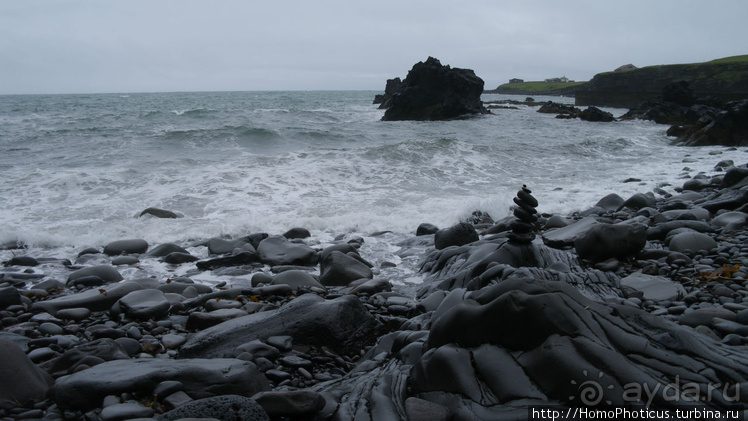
x=552, y=87
x=628, y=86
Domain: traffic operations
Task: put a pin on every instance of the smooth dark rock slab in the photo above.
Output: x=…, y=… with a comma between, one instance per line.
x=277, y=251
x=145, y=304
x=660, y=231
x=200, y=378
x=199, y=321
x=734, y=176
x=221, y=246
x=132, y=246
x=297, y=233
x=295, y=403
x=296, y=279
x=734, y=218
x=165, y=249
x=22, y=381
x=639, y=201
x=126, y=411
x=338, y=269
x=108, y=274
x=230, y=407
x=21, y=261
x=177, y=258
x=159, y=213
x=9, y=296
x=596, y=114
x=239, y=259
x=104, y=349
x=456, y=235
x=727, y=199
x=605, y=241
x=693, y=241
x=610, y=202
x=426, y=229
x=656, y=288
x=706, y=316
x=556, y=335
x=566, y=236
x=342, y=324
x=99, y=299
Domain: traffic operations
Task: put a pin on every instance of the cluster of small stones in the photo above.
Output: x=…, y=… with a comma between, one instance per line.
x=716, y=299
x=715, y=281
x=193, y=306
x=714, y=302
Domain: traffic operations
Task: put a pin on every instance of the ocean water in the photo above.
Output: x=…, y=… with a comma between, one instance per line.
x=77, y=170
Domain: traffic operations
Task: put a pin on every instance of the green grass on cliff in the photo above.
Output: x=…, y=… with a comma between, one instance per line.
x=733, y=59
x=538, y=86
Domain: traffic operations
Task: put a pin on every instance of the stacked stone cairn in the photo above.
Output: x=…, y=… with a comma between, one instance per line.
x=523, y=228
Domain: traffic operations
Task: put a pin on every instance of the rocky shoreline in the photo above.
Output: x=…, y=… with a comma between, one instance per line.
x=645, y=293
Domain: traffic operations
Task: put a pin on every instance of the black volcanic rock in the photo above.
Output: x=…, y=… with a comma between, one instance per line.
x=696, y=122
x=342, y=324
x=728, y=126
x=596, y=114
x=551, y=107
x=679, y=93
x=456, y=235
x=392, y=87
x=432, y=91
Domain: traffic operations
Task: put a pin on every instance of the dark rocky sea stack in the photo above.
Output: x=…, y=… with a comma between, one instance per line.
x=432, y=91
x=392, y=87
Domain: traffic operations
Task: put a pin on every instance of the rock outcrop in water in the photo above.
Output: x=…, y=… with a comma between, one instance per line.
x=432, y=91
x=638, y=301
x=570, y=111
x=391, y=88
x=696, y=121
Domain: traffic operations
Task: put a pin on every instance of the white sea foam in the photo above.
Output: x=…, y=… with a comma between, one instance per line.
x=236, y=163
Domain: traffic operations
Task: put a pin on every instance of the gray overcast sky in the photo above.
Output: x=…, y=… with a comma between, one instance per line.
x=82, y=46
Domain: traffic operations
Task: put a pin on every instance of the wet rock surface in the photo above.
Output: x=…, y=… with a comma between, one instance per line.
x=641, y=291
x=432, y=91
x=696, y=121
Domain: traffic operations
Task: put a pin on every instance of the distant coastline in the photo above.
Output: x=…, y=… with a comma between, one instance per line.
x=538, y=88
x=725, y=78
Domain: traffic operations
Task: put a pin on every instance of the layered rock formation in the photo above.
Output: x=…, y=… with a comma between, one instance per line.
x=696, y=121
x=724, y=79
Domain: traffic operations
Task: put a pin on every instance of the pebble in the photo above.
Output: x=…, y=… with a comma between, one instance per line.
x=48, y=328
x=125, y=411
x=76, y=314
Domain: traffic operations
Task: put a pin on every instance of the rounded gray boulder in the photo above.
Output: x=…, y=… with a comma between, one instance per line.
x=277, y=251
x=605, y=241
x=202, y=378
x=456, y=235
x=693, y=241
x=296, y=279
x=145, y=304
x=338, y=269
x=22, y=381
x=108, y=274
x=133, y=246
